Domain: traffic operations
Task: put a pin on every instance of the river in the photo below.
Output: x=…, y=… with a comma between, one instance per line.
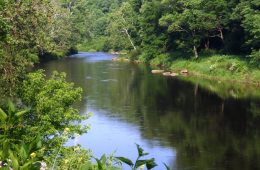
x=178, y=122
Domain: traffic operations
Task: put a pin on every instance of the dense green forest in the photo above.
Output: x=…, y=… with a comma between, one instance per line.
x=219, y=38
x=179, y=34
x=169, y=26
x=155, y=31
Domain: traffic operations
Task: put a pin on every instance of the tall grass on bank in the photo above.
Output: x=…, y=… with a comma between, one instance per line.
x=224, y=67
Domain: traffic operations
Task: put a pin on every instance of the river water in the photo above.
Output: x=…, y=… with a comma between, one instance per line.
x=177, y=122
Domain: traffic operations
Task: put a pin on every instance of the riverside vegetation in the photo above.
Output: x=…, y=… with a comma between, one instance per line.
x=162, y=32
x=213, y=39
x=37, y=116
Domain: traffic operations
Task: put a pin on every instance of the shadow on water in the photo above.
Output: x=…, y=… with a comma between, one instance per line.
x=177, y=122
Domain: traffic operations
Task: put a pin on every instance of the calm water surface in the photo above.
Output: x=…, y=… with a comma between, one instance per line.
x=179, y=123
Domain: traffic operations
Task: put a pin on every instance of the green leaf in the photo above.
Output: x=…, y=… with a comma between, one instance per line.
x=103, y=159
x=166, y=166
x=23, y=153
x=85, y=166
x=139, y=163
x=11, y=106
x=125, y=160
x=14, y=160
x=3, y=115
x=150, y=164
x=140, y=151
x=39, y=144
x=21, y=113
x=26, y=165
x=100, y=165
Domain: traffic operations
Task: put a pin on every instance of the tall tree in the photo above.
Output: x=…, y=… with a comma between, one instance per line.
x=248, y=13
x=153, y=36
x=192, y=20
x=122, y=24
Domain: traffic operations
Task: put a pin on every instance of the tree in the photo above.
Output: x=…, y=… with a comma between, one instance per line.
x=30, y=29
x=52, y=104
x=194, y=20
x=122, y=24
x=153, y=36
x=248, y=13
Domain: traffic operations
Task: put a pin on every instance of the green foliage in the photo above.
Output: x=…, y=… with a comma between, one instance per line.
x=168, y=26
x=219, y=67
x=122, y=27
x=247, y=12
x=21, y=156
x=150, y=164
x=161, y=60
x=134, y=54
x=153, y=36
x=51, y=116
x=106, y=163
x=14, y=152
x=255, y=58
x=98, y=44
x=52, y=103
x=35, y=29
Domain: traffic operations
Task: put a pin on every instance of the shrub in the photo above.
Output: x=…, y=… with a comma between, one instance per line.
x=161, y=60
x=134, y=54
x=255, y=58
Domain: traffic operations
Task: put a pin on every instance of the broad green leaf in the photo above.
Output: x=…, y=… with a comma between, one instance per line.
x=150, y=164
x=125, y=160
x=139, y=163
x=3, y=115
x=140, y=151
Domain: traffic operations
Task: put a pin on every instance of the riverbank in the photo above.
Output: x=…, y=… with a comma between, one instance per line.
x=226, y=68
x=220, y=67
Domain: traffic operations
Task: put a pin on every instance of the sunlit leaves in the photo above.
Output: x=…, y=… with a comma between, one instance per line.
x=52, y=102
x=150, y=163
x=126, y=160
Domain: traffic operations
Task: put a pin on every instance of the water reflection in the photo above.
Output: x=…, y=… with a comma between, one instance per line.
x=178, y=122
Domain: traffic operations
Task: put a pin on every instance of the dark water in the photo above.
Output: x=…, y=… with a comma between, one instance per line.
x=179, y=123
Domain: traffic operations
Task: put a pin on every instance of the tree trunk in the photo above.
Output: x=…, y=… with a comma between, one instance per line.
x=207, y=44
x=195, y=52
x=221, y=34
x=129, y=38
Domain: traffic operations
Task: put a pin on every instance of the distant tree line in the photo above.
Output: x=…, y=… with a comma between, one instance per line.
x=39, y=29
x=170, y=26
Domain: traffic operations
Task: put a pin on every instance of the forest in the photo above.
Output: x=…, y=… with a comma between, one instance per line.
x=212, y=39
x=215, y=39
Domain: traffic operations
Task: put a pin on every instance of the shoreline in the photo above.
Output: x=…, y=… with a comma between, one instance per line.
x=188, y=72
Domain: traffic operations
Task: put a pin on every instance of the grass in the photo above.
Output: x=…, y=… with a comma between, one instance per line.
x=225, y=75
x=220, y=67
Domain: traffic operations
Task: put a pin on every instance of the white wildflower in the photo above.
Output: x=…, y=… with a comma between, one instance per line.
x=43, y=166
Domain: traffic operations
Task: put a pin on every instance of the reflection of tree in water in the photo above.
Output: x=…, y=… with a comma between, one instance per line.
x=207, y=131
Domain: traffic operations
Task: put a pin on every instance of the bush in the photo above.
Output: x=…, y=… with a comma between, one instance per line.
x=161, y=60
x=148, y=54
x=134, y=54
x=255, y=58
